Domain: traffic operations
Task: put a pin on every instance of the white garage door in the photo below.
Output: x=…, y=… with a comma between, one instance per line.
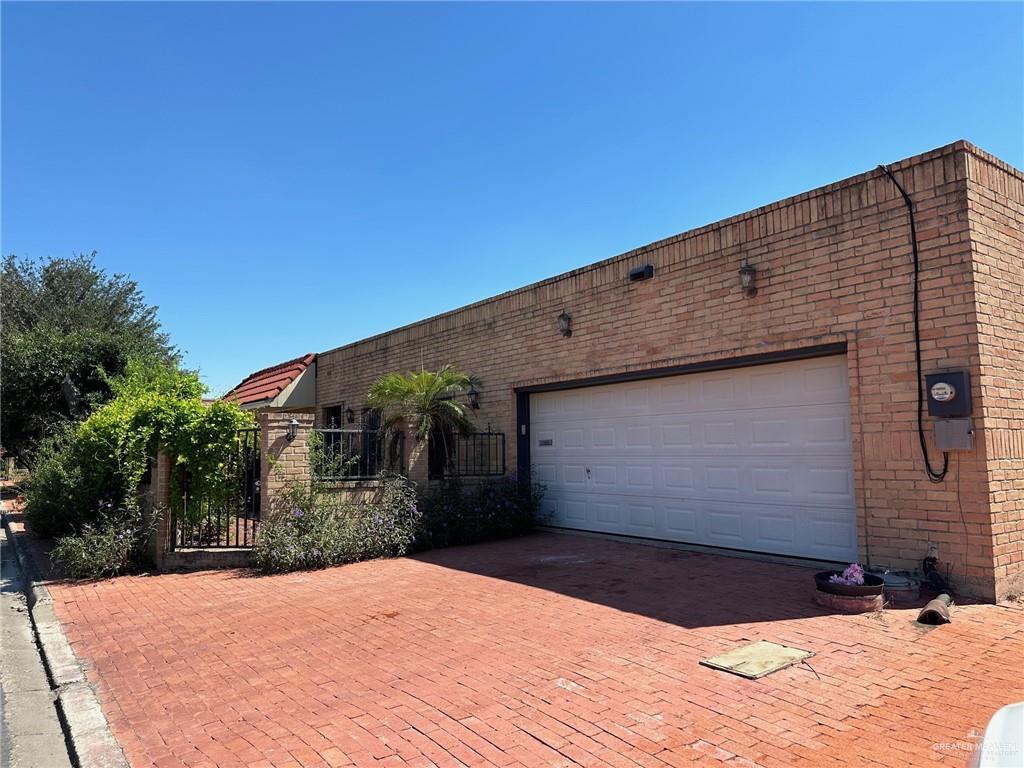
x=755, y=458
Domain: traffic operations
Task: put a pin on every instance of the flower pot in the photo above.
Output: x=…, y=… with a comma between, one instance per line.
x=872, y=585
x=901, y=589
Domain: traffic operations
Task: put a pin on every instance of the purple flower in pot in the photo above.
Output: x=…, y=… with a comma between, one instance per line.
x=852, y=581
x=853, y=576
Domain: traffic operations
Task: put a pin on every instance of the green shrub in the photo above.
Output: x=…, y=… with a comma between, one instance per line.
x=467, y=514
x=115, y=544
x=310, y=528
x=304, y=530
x=81, y=470
x=65, y=490
x=388, y=527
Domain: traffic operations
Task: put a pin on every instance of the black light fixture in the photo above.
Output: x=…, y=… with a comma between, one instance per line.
x=350, y=415
x=748, y=279
x=646, y=272
x=565, y=323
x=474, y=397
x=293, y=429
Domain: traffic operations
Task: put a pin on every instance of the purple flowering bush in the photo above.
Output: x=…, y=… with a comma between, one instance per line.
x=115, y=544
x=466, y=514
x=309, y=528
x=852, y=576
x=304, y=534
x=388, y=526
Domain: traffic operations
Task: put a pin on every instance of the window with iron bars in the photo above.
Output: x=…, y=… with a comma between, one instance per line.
x=359, y=453
x=479, y=454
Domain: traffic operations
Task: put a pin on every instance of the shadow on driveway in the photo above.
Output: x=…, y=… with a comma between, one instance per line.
x=688, y=589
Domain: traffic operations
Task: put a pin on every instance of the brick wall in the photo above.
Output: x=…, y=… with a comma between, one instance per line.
x=834, y=265
x=282, y=461
x=995, y=194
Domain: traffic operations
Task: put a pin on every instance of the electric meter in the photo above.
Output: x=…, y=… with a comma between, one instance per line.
x=949, y=394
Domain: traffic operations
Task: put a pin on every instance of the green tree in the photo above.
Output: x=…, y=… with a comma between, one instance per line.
x=427, y=401
x=66, y=320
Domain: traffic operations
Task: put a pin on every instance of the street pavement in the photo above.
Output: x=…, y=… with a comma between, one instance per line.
x=31, y=734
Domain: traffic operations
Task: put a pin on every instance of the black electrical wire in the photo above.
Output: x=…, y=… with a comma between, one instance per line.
x=933, y=475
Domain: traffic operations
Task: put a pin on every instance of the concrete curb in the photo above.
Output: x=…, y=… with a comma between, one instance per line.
x=35, y=590
x=85, y=726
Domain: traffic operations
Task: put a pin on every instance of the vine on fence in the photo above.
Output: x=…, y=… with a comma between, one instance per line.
x=102, y=461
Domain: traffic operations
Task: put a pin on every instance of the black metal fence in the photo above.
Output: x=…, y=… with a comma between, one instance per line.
x=357, y=454
x=231, y=517
x=480, y=454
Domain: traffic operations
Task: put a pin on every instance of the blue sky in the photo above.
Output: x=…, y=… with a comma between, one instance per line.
x=283, y=178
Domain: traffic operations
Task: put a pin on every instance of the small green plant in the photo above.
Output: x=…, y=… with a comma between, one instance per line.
x=329, y=462
x=114, y=545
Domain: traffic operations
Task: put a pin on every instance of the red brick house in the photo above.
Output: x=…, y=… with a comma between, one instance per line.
x=753, y=385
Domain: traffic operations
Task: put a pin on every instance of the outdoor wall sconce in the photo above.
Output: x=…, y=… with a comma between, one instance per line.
x=474, y=397
x=293, y=429
x=565, y=323
x=748, y=279
x=646, y=272
x=350, y=415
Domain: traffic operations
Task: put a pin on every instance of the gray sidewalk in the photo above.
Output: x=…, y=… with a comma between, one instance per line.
x=32, y=736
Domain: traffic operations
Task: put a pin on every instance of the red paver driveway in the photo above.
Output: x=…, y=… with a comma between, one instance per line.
x=544, y=651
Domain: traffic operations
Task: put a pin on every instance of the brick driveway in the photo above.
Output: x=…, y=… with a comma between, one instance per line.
x=548, y=650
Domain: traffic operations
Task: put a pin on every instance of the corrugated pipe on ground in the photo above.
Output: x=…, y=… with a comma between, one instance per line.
x=937, y=611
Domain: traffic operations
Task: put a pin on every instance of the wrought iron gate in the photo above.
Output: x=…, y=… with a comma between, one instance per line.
x=231, y=518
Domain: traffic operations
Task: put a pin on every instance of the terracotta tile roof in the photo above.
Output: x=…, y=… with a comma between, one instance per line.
x=270, y=382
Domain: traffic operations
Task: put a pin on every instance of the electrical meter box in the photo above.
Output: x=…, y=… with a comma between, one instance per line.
x=949, y=394
x=954, y=435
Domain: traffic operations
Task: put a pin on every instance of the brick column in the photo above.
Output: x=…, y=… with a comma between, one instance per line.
x=158, y=504
x=417, y=465
x=282, y=460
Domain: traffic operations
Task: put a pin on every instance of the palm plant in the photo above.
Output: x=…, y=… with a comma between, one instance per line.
x=427, y=400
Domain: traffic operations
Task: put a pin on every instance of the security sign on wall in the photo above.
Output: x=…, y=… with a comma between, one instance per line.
x=949, y=394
